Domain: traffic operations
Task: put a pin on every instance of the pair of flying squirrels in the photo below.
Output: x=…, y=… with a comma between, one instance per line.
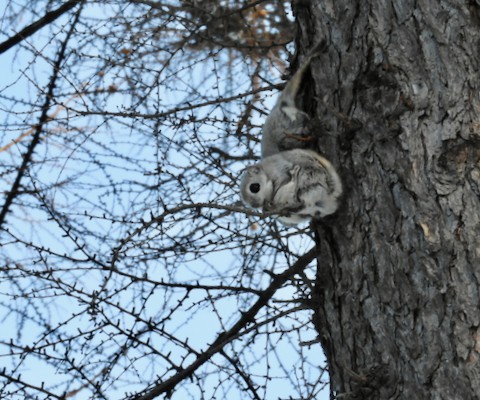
x=293, y=183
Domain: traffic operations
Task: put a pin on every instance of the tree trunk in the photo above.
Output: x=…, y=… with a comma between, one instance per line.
x=397, y=291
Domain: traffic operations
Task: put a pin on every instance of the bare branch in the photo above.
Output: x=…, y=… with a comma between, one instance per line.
x=248, y=316
x=29, y=30
x=42, y=120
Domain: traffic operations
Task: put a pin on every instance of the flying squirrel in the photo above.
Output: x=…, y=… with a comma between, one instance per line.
x=294, y=183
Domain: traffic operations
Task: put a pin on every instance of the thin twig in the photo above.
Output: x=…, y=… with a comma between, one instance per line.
x=39, y=127
x=29, y=30
x=277, y=282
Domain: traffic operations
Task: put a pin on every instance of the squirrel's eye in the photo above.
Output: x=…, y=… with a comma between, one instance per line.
x=255, y=187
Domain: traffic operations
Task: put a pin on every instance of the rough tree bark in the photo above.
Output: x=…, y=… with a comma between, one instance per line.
x=397, y=298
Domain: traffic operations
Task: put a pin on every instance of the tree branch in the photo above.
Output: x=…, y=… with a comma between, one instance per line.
x=24, y=383
x=39, y=127
x=37, y=25
x=277, y=282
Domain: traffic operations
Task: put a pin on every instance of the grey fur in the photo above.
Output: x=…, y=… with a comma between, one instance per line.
x=296, y=184
x=286, y=120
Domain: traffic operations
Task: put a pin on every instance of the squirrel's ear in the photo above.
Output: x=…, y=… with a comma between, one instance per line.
x=249, y=172
x=252, y=170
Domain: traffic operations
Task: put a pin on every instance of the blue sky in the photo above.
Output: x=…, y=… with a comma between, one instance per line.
x=68, y=145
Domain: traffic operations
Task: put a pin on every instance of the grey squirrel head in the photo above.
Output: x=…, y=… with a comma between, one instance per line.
x=256, y=188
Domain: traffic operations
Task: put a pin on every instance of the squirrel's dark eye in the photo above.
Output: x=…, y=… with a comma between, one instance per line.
x=255, y=187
